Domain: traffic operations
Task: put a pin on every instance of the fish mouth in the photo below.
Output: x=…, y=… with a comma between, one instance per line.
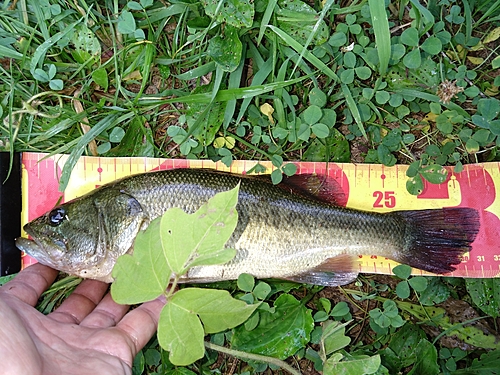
x=50, y=255
x=30, y=247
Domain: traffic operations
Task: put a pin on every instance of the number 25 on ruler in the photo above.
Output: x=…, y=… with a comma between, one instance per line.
x=384, y=199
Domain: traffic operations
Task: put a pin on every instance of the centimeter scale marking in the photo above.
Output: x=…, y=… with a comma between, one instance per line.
x=367, y=187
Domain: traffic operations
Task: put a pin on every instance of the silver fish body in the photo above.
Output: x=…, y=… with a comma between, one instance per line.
x=282, y=231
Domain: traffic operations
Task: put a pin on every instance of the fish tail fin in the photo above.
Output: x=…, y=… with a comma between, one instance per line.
x=435, y=240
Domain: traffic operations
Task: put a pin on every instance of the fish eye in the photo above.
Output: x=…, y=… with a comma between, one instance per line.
x=57, y=216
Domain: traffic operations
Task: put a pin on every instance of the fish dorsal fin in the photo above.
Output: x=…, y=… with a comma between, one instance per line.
x=339, y=270
x=321, y=187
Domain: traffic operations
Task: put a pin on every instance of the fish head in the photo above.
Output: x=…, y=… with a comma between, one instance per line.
x=84, y=237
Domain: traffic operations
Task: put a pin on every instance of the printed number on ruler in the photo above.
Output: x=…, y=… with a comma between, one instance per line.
x=384, y=199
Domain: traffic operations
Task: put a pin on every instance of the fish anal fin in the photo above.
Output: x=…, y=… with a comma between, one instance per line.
x=339, y=270
x=320, y=187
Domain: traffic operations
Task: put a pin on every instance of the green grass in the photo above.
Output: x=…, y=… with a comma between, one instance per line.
x=413, y=82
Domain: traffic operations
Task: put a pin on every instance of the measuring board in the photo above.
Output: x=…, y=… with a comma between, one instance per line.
x=366, y=187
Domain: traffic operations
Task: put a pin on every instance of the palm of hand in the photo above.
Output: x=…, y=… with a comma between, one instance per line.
x=87, y=334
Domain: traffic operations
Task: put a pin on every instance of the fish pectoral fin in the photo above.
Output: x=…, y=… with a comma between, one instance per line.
x=339, y=270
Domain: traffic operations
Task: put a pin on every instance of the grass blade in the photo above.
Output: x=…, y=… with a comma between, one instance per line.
x=382, y=33
x=77, y=151
x=320, y=65
x=353, y=108
x=266, y=18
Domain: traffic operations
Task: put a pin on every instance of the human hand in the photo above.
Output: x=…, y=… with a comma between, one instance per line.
x=87, y=334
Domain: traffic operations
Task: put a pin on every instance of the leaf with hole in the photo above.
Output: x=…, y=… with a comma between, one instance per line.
x=226, y=49
x=279, y=334
x=435, y=174
x=415, y=185
x=299, y=20
x=237, y=13
x=486, y=295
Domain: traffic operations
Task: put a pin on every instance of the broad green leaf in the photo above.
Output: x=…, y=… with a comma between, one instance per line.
x=100, y=77
x=432, y=45
x=190, y=240
x=489, y=108
x=246, y=282
x=435, y=174
x=404, y=341
x=363, y=72
x=237, y=13
x=358, y=365
x=338, y=39
x=435, y=292
x=279, y=334
x=320, y=130
x=347, y=76
x=116, y=134
x=486, y=365
x=333, y=337
x=349, y=59
x=413, y=59
x=415, y=185
x=216, y=308
x=300, y=21
x=402, y=271
x=418, y=283
x=382, y=97
x=144, y=275
x=226, y=49
x=289, y=169
x=317, y=97
x=410, y=37
x=403, y=290
x=426, y=359
x=471, y=146
x=86, y=45
x=126, y=22
x=263, y=289
x=470, y=334
x=181, y=334
x=312, y=114
x=495, y=64
x=486, y=295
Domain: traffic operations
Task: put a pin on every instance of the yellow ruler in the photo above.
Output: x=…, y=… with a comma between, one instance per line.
x=366, y=187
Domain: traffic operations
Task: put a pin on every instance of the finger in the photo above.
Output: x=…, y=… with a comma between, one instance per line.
x=140, y=324
x=107, y=314
x=30, y=283
x=81, y=302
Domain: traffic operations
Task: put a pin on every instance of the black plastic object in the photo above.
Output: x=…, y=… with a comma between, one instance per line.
x=10, y=214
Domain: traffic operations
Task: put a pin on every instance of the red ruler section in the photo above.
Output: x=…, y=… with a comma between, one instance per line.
x=366, y=187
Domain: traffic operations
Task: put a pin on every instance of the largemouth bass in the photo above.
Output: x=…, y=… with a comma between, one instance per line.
x=284, y=231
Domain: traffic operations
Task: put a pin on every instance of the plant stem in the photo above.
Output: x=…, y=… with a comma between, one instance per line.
x=253, y=357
